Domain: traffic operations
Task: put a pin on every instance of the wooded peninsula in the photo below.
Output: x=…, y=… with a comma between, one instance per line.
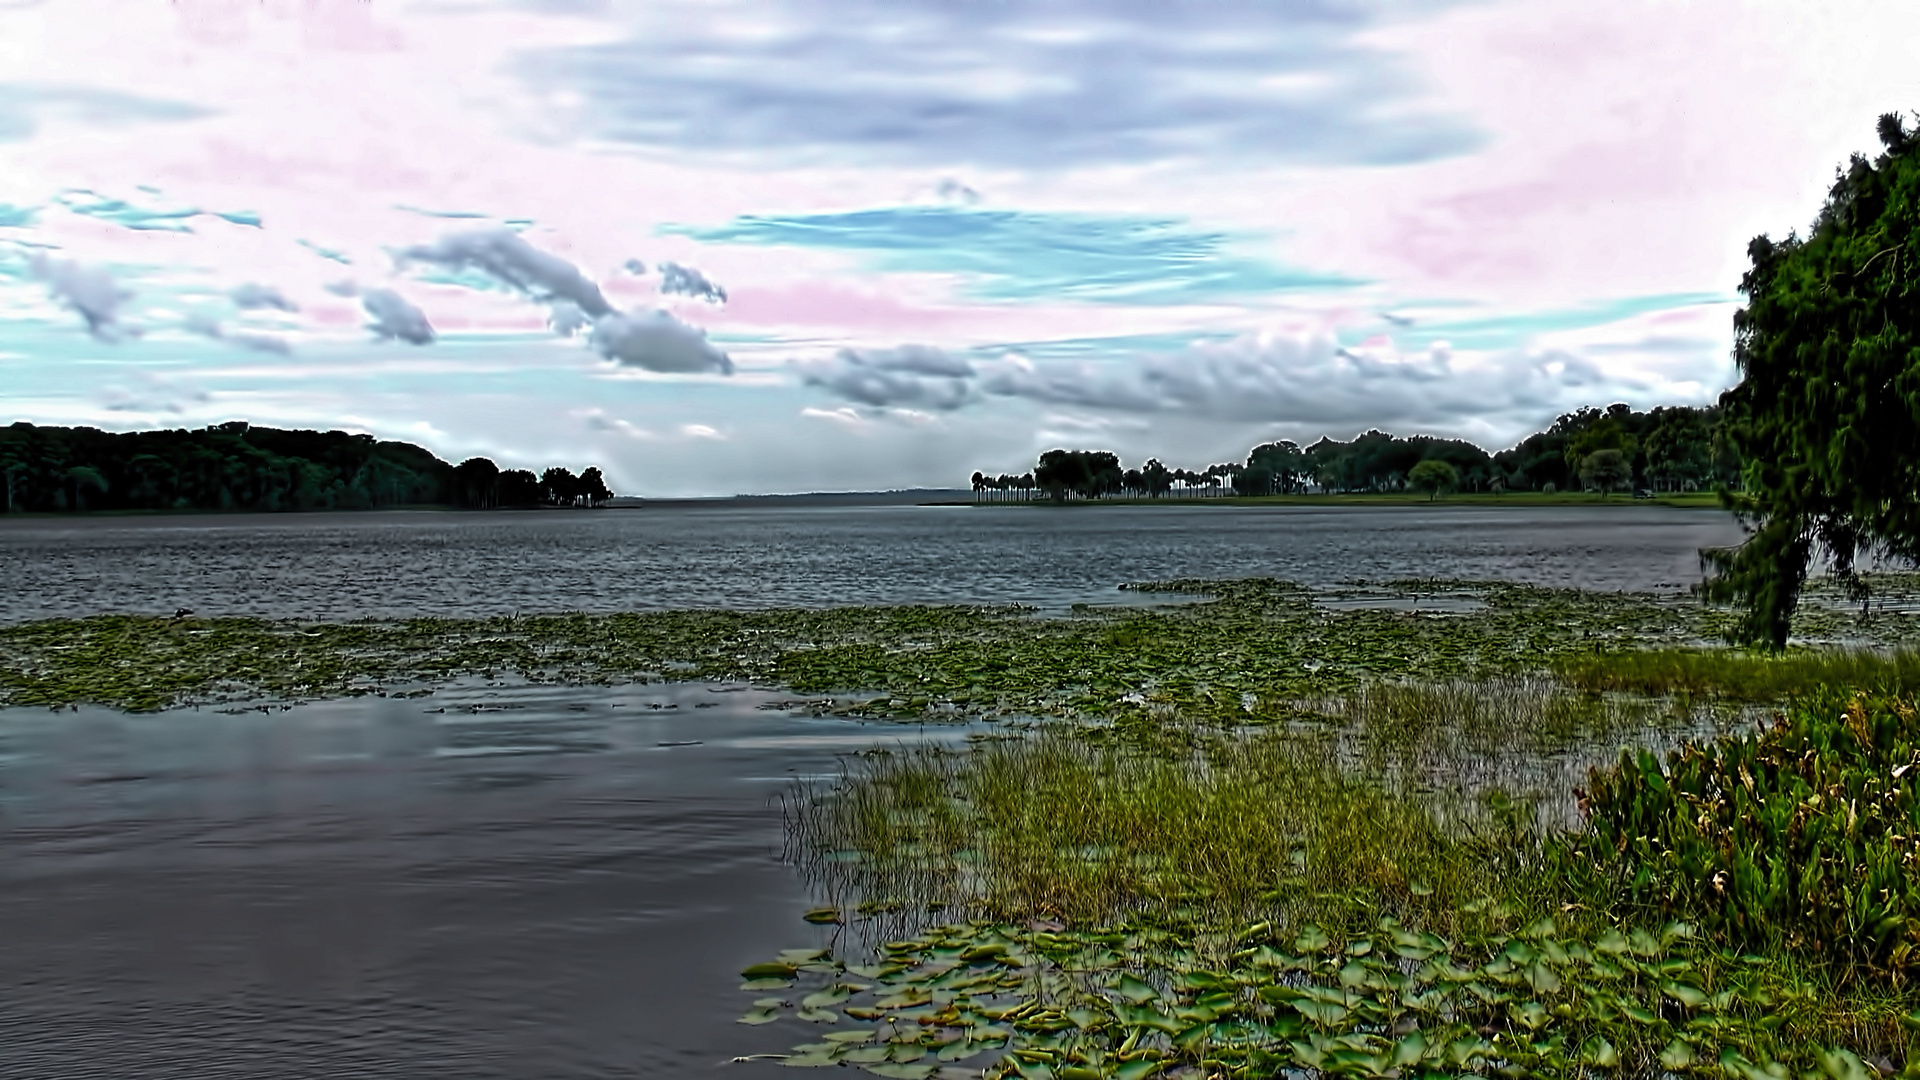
x=240, y=466
x=1667, y=449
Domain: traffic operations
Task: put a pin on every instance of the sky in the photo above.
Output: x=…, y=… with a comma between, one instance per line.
x=742, y=246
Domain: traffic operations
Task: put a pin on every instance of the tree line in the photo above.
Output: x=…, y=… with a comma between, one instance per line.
x=1664, y=449
x=239, y=466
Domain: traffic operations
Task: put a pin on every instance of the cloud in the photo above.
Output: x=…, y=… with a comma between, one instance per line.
x=344, y=287
x=502, y=255
x=24, y=107
x=634, y=267
x=906, y=376
x=394, y=317
x=656, y=341
x=567, y=319
x=685, y=279
x=1014, y=255
x=250, y=296
x=1304, y=378
x=1307, y=377
x=951, y=190
x=1058, y=85
x=89, y=290
x=207, y=326
x=151, y=394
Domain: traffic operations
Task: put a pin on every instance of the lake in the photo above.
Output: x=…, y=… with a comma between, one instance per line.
x=511, y=881
x=391, y=564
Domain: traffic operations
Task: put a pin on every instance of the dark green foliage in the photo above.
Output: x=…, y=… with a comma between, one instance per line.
x=1802, y=835
x=1671, y=449
x=1088, y=474
x=237, y=466
x=1827, y=414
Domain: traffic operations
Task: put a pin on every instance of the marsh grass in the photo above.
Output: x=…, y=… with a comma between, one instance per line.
x=1733, y=675
x=1407, y=799
x=1265, y=823
x=1132, y=908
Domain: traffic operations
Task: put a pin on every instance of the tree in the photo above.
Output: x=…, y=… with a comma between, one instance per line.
x=83, y=477
x=1605, y=469
x=1827, y=412
x=559, y=487
x=1433, y=476
x=593, y=486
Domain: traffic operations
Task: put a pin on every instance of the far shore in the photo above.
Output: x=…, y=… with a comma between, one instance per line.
x=1693, y=500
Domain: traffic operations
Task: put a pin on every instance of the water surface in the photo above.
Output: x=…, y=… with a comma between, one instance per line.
x=527, y=882
x=397, y=564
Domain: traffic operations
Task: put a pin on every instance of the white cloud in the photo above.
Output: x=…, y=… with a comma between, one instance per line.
x=700, y=431
x=250, y=296
x=89, y=290
x=656, y=341
x=503, y=255
x=394, y=317
x=688, y=281
x=844, y=416
x=907, y=375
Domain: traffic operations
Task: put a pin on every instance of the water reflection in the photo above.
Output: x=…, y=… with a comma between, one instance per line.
x=485, y=882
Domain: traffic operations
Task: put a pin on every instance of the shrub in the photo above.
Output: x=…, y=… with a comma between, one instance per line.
x=1802, y=834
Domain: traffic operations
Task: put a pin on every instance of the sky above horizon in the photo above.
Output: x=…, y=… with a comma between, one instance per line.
x=722, y=247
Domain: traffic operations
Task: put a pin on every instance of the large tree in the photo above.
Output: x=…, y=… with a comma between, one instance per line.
x=1827, y=412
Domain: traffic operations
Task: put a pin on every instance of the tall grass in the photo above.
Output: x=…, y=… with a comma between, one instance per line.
x=1730, y=675
x=1411, y=799
x=1266, y=824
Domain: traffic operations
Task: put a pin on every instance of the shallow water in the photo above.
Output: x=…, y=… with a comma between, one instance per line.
x=397, y=564
x=527, y=882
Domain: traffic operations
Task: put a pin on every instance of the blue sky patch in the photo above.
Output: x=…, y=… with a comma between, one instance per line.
x=1010, y=255
x=1508, y=331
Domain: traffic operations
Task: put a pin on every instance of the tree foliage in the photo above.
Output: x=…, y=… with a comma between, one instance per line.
x=1433, y=476
x=1827, y=412
x=237, y=466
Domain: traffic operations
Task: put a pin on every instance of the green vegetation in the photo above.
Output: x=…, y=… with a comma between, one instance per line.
x=236, y=466
x=1667, y=450
x=1824, y=414
x=1801, y=836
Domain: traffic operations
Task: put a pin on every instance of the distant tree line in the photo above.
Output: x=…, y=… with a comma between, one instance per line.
x=1665, y=449
x=238, y=466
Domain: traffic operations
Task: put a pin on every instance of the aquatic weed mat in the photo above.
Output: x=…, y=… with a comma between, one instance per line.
x=1138, y=999
x=1243, y=651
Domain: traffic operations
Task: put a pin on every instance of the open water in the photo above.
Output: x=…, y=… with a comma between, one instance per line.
x=345, y=566
x=537, y=882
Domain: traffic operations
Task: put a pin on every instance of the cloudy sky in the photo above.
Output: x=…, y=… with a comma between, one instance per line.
x=790, y=245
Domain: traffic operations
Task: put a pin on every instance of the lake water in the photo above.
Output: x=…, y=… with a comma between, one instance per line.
x=511, y=882
x=537, y=882
x=344, y=566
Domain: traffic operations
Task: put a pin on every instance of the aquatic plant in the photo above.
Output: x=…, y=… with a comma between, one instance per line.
x=1147, y=998
x=1804, y=835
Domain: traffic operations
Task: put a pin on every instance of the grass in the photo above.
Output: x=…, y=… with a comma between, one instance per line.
x=1731, y=675
x=1299, y=900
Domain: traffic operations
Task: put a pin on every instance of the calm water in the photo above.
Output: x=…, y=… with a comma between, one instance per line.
x=509, y=883
x=340, y=566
